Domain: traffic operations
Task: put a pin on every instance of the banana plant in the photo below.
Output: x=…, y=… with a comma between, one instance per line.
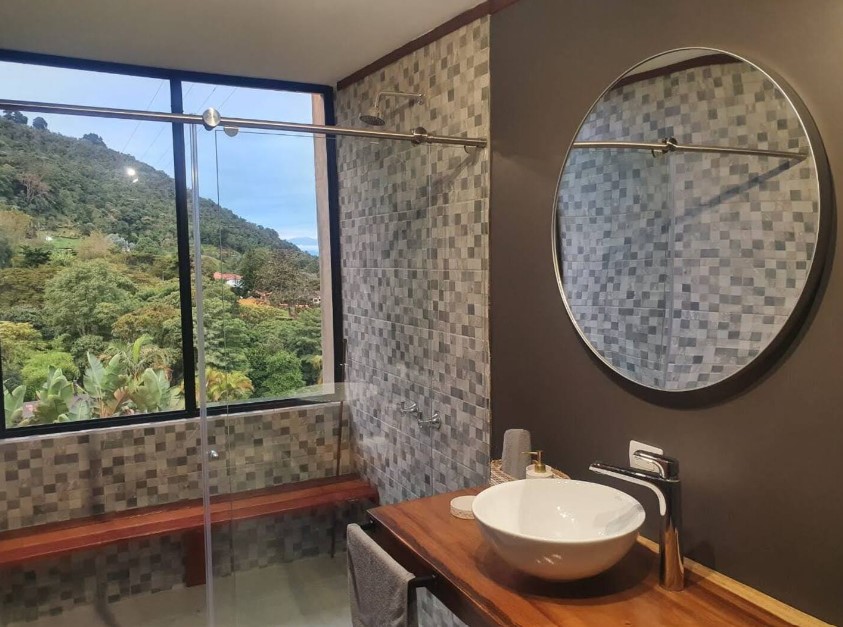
x=13, y=404
x=153, y=392
x=106, y=386
x=119, y=388
x=55, y=400
x=140, y=355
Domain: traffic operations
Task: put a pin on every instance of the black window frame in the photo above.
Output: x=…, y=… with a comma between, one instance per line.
x=176, y=79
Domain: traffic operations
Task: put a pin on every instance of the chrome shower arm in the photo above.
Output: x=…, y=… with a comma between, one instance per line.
x=417, y=98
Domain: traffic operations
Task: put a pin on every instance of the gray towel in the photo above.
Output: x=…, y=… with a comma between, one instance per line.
x=514, y=460
x=377, y=585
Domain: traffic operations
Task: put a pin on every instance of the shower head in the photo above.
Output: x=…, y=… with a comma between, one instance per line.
x=373, y=118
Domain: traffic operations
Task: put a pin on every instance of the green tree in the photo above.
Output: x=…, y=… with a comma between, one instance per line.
x=80, y=348
x=303, y=335
x=25, y=313
x=62, y=257
x=226, y=336
x=254, y=313
x=16, y=117
x=284, y=278
x=18, y=341
x=252, y=265
x=87, y=299
x=37, y=368
x=33, y=256
x=23, y=286
x=7, y=250
x=274, y=374
x=93, y=138
x=160, y=321
x=39, y=123
x=33, y=186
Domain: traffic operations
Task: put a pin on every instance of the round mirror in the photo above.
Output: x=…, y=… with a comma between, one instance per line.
x=688, y=222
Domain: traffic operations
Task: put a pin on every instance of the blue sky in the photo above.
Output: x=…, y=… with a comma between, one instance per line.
x=266, y=178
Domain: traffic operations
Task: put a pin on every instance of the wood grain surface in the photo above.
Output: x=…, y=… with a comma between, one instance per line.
x=482, y=590
x=52, y=540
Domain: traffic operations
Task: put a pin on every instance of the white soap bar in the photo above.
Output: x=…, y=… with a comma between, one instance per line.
x=461, y=507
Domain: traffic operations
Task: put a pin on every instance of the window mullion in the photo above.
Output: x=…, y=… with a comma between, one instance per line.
x=183, y=238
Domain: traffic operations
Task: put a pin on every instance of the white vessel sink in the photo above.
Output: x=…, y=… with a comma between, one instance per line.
x=557, y=529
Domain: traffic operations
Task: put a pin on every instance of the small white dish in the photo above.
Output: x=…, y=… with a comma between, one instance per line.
x=461, y=507
x=558, y=530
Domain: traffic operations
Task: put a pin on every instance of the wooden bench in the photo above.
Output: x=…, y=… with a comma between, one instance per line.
x=52, y=540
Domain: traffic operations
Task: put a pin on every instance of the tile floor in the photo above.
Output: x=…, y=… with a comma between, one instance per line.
x=311, y=592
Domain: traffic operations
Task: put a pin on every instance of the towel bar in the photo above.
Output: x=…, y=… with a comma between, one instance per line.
x=419, y=581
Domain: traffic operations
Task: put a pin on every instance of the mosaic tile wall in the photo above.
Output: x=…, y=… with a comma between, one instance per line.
x=414, y=229
x=57, y=478
x=681, y=269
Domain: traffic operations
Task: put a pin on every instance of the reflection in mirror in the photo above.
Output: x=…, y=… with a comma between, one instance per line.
x=687, y=219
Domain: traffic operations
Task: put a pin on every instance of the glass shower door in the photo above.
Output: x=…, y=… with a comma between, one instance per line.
x=274, y=430
x=266, y=315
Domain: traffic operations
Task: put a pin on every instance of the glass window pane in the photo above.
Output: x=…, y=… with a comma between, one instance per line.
x=248, y=102
x=89, y=288
x=41, y=83
x=263, y=289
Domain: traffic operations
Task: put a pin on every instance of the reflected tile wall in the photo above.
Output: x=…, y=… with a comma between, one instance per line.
x=414, y=235
x=681, y=269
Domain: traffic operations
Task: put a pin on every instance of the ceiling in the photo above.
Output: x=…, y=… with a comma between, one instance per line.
x=316, y=41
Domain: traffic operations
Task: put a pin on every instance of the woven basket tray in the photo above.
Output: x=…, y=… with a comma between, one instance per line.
x=499, y=476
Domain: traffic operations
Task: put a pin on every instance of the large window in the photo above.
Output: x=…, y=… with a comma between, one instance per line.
x=97, y=297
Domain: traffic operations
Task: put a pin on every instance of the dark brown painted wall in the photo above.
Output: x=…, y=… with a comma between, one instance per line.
x=763, y=470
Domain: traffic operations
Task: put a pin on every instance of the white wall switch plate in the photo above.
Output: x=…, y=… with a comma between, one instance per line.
x=640, y=446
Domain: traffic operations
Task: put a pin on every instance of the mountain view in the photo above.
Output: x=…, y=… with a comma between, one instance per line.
x=90, y=319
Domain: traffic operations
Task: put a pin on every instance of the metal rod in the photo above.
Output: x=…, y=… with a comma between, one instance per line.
x=666, y=145
x=418, y=136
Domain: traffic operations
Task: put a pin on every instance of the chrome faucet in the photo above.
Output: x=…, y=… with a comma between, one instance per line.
x=664, y=481
x=412, y=409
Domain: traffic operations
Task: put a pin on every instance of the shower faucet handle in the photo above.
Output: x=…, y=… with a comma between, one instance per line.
x=409, y=408
x=434, y=422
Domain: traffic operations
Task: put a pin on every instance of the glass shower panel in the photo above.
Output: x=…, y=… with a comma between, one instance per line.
x=90, y=298
x=276, y=437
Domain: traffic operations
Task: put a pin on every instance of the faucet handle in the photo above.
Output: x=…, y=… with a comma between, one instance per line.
x=408, y=408
x=666, y=467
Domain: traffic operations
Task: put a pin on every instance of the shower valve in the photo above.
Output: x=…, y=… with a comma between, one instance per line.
x=434, y=422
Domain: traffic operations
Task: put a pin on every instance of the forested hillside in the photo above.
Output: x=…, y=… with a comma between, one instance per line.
x=90, y=321
x=78, y=186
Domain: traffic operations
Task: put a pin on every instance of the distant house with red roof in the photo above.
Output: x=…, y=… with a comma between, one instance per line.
x=232, y=280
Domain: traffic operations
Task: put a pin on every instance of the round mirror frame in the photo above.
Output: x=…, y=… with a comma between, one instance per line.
x=777, y=346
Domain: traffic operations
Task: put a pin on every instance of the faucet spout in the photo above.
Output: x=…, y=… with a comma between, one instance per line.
x=665, y=484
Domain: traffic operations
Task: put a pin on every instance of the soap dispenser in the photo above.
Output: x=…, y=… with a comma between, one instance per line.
x=538, y=469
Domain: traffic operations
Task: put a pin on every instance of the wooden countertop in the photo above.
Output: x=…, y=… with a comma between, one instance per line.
x=482, y=590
